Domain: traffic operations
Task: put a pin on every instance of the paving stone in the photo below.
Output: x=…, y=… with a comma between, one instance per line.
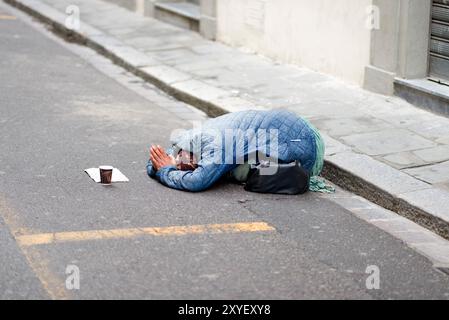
x=112, y=23
x=176, y=107
x=437, y=154
x=151, y=28
x=402, y=160
x=134, y=57
x=439, y=254
x=443, y=140
x=423, y=236
x=61, y=5
x=377, y=173
x=402, y=117
x=387, y=141
x=355, y=203
x=324, y=109
x=166, y=74
x=434, y=129
x=374, y=213
x=130, y=5
x=189, y=116
x=346, y=126
x=228, y=80
x=122, y=31
x=432, y=200
x=436, y=173
x=235, y=104
x=108, y=42
x=50, y=11
x=122, y=16
x=201, y=90
x=332, y=146
x=154, y=40
x=205, y=67
x=177, y=35
x=396, y=225
x=277, y=102
x=333, y=90
x=177, y=56
x=305, y=76
x=150, y=45
x=210, y=47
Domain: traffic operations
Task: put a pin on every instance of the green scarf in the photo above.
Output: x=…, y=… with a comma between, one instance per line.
x=317, y=184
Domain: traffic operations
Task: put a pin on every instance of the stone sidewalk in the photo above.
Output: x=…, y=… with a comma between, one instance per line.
x=380, y=147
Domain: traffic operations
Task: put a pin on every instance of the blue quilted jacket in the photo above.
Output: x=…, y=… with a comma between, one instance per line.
x=295, y=141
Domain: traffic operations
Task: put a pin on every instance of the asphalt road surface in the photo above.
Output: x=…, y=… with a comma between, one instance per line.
x=59, y=116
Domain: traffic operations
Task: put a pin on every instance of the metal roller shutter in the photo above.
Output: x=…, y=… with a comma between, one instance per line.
x=439, y=41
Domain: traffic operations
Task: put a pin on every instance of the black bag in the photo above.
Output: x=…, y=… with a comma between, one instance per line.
x=278, y=179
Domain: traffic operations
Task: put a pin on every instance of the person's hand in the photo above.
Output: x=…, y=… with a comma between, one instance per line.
x=160, y=159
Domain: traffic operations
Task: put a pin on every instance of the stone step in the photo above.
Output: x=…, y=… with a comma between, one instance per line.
x=424, y=93
x=181, y=14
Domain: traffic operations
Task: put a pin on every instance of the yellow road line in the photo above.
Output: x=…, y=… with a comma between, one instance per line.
x=73, y=236
x=7, y=17
x=51, y=283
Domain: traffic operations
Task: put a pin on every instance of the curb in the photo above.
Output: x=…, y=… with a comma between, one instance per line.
x=357, y=173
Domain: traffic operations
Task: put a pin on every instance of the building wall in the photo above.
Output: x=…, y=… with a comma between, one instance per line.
x=329, y=36
x=400, y=47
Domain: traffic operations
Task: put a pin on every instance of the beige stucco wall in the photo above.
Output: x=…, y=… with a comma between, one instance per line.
x=329, y=36
x=400, y=47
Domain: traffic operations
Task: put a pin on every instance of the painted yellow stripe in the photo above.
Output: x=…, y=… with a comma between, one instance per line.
x=48, y=238
x=37, y=259
x=7, y=17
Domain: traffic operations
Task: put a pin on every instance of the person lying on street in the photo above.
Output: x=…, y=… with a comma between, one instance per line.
x=228, y=145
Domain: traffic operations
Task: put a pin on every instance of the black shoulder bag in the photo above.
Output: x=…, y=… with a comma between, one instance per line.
x=269, y=177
